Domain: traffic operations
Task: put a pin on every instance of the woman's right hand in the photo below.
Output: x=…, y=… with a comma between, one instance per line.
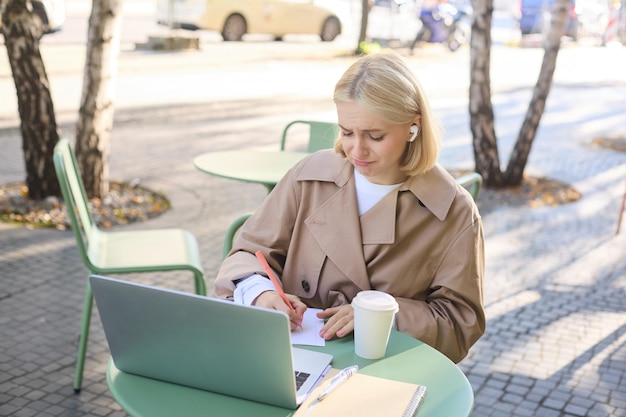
x=272, y=300
x=339, y=321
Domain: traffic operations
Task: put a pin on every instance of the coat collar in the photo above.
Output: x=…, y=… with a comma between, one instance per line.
x=435, y=189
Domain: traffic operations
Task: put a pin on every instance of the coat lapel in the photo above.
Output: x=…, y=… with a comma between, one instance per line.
x=339, y=236
x=378, y=225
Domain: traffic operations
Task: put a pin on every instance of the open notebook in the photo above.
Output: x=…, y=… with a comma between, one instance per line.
x=205, y=343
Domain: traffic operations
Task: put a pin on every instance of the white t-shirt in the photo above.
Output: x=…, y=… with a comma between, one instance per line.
x=369, y=194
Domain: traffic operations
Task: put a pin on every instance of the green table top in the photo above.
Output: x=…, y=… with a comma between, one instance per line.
x=449, y=392
x=260, y=167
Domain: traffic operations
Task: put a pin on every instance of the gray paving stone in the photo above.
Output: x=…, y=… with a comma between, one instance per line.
x=548, y=412
x=526, y=410
x=516, y=390
x=576, y=410
x=555, y=404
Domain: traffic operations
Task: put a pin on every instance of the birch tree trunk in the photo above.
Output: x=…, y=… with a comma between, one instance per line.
x=484, y=139
x=22, y=31
x=519, y=157
x=481, y=110
x=95, y=121
x=365, y=11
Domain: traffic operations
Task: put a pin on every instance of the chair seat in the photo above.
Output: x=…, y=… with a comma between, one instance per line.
x=143, y=250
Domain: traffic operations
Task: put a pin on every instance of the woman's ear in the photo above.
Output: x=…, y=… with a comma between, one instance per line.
x=418, y=121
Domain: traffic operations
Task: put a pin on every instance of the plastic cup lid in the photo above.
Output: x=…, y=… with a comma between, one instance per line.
x=375, y=300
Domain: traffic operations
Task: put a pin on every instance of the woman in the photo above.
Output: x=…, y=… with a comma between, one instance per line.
x=377, y=212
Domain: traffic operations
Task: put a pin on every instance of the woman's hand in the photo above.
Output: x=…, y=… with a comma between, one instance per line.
x=271, y=299
x=340, y=321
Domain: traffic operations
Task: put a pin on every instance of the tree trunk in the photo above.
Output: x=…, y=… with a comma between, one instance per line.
x=480, y=107
x=519, y=157
x=22, y=31
x=93, y=129
x=365, y=11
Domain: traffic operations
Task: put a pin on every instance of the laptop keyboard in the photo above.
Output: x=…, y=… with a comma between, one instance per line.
x=300, y=378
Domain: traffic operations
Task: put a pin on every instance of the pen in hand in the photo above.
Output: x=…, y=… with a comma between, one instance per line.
x=277, y=286
x=339, y=379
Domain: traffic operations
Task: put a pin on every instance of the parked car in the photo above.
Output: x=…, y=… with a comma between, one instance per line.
x=235, y=18
x=586, y=18
x=50, y=12
x=535, y=17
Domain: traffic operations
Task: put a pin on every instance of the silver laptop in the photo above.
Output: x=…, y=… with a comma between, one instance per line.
x=205, y=343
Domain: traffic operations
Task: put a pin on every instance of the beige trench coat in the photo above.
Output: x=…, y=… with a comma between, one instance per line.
x=423, y=244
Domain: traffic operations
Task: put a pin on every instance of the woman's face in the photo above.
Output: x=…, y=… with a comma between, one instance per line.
x=374, y=147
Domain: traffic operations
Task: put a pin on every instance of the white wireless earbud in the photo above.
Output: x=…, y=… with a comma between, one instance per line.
x=414, y=131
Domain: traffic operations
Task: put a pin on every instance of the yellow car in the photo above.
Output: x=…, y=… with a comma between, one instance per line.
x=235, y=18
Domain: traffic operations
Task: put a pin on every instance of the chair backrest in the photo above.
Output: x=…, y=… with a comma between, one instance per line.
x=472, y=182
x=322, y=135
x=74, y=196
x=230, y=233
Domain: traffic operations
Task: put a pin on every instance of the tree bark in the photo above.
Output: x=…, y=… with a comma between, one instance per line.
x=93, y=129
x=480, y=107
x=519, y=157
x=366, y=5
x=22, y=31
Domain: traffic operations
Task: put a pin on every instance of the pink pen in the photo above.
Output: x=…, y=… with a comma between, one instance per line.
x=279, y=288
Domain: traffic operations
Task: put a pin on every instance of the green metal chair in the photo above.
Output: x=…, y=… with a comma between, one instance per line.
x=230, y=233
x=118, y=252
x=472, y=181
x=322, y=135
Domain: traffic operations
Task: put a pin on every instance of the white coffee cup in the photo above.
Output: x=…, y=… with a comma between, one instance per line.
x=374, y=313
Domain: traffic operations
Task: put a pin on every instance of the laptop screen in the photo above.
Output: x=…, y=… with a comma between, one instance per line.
x=202, y=342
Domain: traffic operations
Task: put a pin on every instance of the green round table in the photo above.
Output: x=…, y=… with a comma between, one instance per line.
x=407, y=359
x=260, y=167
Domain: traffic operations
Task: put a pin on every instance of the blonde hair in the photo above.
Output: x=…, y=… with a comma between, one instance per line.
x=384, y=85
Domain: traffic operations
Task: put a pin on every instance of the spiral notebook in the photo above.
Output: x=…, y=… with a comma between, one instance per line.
x=365, y=396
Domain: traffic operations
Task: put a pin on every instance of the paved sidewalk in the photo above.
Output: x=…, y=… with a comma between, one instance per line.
x=555, y=289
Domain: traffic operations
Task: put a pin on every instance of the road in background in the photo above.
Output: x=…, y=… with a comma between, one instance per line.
x=304, y=69
x=388, y=21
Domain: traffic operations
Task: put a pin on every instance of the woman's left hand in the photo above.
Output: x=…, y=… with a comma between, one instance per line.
x=340, y=321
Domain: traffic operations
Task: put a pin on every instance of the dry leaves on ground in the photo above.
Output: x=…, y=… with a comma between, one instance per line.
x=125, y=204
x=617, y=143
x=128, y=203
x=533, y=192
